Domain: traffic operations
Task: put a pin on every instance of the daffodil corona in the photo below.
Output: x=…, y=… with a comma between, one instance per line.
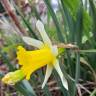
x=31, y=61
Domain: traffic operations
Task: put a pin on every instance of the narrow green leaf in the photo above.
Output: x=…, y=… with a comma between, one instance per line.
x=72, y=6
x=93, y=93
x=88, y=51
x=59, y=32
x=28, y=87
x=77, y=75
x=69, y=22
x=93, y=11
x=79, y=27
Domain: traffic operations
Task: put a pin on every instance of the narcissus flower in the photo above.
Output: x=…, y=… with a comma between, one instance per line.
x=31, y=61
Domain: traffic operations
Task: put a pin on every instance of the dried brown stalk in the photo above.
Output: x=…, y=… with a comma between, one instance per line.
x=12, y=14
x=70, y=46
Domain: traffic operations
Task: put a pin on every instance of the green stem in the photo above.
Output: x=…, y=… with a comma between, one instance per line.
x=77, y=71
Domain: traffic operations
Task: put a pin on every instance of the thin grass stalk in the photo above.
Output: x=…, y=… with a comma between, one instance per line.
x=64, y=23
x=59, y=32
x=77, y=72
x=79, y=27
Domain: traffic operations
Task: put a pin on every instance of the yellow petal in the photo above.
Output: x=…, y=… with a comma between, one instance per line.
x=21, y=55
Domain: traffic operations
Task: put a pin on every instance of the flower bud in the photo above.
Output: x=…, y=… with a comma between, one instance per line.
x=13, y=77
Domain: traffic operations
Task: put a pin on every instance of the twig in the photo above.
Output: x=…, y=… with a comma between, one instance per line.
x=79, y=91
x=81, y=86
x=62, y=45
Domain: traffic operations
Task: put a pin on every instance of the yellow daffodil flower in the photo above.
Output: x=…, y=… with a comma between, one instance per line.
x=31, y=61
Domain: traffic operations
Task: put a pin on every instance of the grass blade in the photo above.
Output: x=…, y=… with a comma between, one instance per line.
x=59, y=32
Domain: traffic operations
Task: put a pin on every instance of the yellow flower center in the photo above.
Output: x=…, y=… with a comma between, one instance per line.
x=31, y=61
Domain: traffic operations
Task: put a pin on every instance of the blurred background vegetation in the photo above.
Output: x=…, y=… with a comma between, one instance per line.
x=66, y=21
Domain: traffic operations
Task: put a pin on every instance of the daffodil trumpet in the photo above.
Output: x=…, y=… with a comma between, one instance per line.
x=31, y=61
